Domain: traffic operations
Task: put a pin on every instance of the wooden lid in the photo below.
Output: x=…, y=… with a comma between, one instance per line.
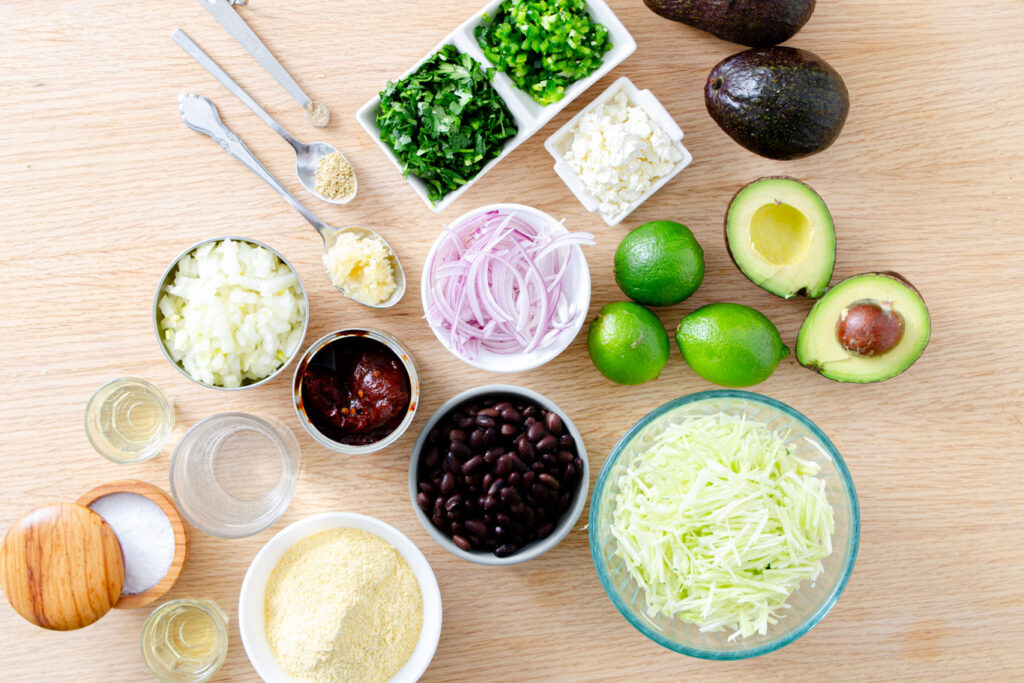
x=181, y=539
x=61, y=566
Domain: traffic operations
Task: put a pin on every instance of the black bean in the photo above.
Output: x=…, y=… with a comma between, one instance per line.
x=465, y=423
x=565, y=456
x=476, y=439
x=462, y=542
x=537, y=466
x=550, y=481
x=545, y=531
x=502, y=518
x=529, y=410
x=519, y=464
x=456, y=527
x=426, y=487
x=569, y=474
x=461, y=450
x=546, y=444
x=549, y=459
x=514, y=479
x=511, y=416
x=529, y=516
x=472, y=481
x=502, y=406
x=487, y=481
x=432, y=457
x=554, y=423
x=491, y=502
x=495, y=486
x=439, y=522
x=473, y=464
x=539, y=491
x=505, y=549
x=563, y=502
x=457, y=435
x=453, y=502
x=492, y=454
x=510, y=496
x=535, y=431
x=484, y=421
x=528, y=478
x=508, y=430
x=578, y=464
x=438, y=505
x=423, y=500
x=503, y=466
x=476, y=527
x=434, y=435
x=526, y=450
x=490, y=436
x=447, y=483
x=489, y=412
x=565, y=440
x=451, y=463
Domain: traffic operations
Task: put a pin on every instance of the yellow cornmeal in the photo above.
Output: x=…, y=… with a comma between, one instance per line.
x=342, y=605
x=335, y=178
x=361, y=267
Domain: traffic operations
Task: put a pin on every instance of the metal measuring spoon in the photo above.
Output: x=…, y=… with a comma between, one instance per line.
x=221, y=10
x=201, y=115
x=307, y=156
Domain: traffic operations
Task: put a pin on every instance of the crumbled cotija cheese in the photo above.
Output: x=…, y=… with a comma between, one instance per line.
x=618, y=152
x=342, y=605
x=361, y=267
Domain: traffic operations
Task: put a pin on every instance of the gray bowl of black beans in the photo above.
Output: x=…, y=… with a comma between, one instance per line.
x=499, y=475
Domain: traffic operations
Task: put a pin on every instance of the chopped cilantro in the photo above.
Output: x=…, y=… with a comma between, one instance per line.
x=444, y=121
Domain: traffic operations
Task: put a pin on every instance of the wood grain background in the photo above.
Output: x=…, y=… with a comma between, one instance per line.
x=101, y=185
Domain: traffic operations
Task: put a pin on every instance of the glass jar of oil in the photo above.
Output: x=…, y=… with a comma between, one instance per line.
x=128, y=420
x=185, y=641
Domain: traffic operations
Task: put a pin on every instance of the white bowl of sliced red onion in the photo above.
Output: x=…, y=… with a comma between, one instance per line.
x=506, y=287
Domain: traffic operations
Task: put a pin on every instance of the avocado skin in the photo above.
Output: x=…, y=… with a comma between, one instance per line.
x=756, y=23
x=778, y=102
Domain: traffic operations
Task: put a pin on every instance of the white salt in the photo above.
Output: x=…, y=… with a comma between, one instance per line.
x=146, y=537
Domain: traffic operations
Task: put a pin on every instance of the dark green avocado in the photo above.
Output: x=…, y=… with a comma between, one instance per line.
x=780, y=234
x=778, y=102
x=867, y=328
x=757, y=23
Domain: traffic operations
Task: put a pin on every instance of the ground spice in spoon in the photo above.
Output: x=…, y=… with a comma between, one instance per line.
x=335, y=177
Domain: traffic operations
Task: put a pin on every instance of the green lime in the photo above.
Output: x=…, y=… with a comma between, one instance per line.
x=627, y=343
x=730, y=344
x=659, y=264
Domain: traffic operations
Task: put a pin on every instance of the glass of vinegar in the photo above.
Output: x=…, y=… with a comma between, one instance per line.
x=128, y=420
x=185, y=641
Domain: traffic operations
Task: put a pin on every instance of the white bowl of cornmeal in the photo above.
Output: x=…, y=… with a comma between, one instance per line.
x=339, y=596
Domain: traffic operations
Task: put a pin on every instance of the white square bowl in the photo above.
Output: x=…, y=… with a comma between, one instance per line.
x=528, y=114
x=559, y=143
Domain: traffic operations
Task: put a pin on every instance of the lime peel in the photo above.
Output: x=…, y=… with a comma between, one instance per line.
x=719, y=523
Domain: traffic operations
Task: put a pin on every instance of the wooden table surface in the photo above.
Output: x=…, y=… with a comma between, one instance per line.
x=102, y=186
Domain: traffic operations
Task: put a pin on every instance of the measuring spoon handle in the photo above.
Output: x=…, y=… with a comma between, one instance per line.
x=225, y=14
x=205, y=61
x=201, y=115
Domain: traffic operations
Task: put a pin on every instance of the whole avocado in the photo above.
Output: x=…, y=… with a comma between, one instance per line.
x=757, y=23
x=778, y=102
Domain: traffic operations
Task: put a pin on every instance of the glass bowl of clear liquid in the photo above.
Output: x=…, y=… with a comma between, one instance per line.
x=128, y=420
x=185, y=641
x=233, y=474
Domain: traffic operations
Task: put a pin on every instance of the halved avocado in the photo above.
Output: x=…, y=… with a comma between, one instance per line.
x=867, y=328
x=780, y=235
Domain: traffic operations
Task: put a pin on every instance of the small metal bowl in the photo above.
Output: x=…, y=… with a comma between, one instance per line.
x=391, y=343
x=169, y=275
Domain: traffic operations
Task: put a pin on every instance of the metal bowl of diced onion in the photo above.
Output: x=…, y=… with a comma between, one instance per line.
x=289, y=348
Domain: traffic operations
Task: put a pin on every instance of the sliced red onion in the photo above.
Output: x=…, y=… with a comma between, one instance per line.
x=496, y=283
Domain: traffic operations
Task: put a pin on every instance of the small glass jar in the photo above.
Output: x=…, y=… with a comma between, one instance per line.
x=185, y=641
x=128, y=420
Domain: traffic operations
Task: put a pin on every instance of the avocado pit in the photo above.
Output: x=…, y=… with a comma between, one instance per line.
x=869, y=328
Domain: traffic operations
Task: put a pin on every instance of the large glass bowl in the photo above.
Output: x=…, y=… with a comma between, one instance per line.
x=807, y=605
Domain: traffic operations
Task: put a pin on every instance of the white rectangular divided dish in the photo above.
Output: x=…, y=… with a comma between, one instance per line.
x=559, y=143
x=528, y=114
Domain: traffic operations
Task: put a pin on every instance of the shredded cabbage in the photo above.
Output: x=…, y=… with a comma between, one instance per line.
x=719, y=523
x=233, y=312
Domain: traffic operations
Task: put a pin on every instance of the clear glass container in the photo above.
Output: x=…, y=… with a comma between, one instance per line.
x=185, y=641
x=128, y=420
x=233, y=474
